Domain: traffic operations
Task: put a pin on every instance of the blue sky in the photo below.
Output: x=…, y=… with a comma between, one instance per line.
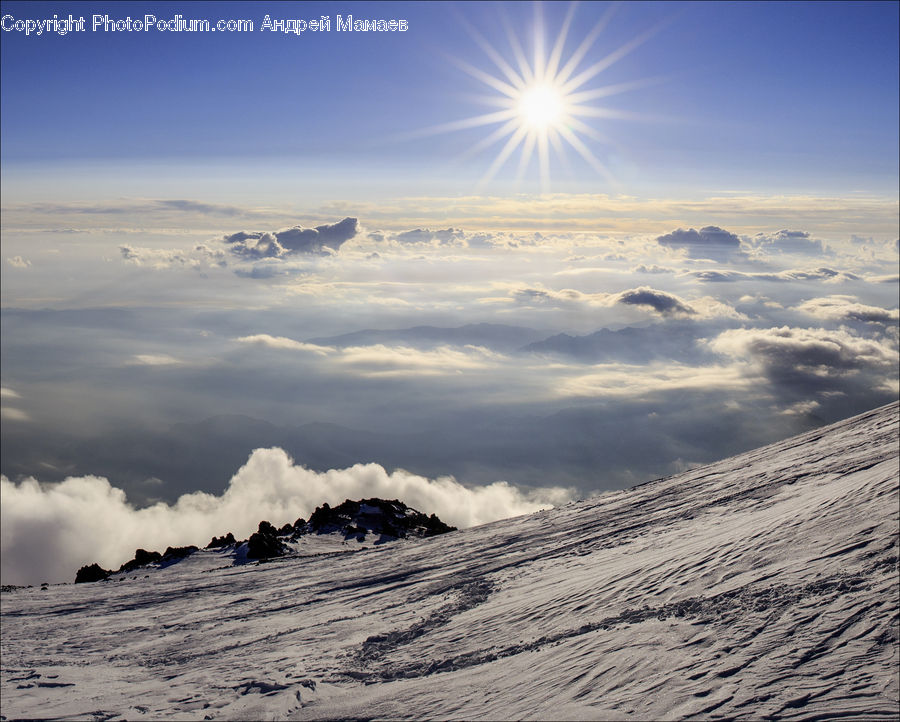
x=790, y=97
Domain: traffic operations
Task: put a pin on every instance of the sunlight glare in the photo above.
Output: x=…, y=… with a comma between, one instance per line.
x=542, y=100
x=541, y=107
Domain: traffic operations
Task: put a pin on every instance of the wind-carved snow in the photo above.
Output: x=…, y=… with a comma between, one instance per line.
x=765, y=585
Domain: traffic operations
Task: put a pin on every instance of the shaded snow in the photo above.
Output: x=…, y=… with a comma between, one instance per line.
x=762, y=585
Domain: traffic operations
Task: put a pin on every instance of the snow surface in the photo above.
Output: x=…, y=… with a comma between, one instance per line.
x=765, y=585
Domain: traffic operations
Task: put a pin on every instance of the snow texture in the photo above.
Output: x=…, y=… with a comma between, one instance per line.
x=761, y=586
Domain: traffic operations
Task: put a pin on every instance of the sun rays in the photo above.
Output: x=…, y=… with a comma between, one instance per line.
x=544, y=106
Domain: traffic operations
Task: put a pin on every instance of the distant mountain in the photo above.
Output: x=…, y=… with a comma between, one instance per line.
x=672, y=340
x=763, y=586
x=490, y=335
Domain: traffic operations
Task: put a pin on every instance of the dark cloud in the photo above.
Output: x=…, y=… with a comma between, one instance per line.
x=258, y=245
x=311, y=240
x=709, y=242
x=253, y=246
x=803, y=362
x=665, y=303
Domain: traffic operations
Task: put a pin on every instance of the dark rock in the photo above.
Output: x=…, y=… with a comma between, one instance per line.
x=264, y=543
x=91, y=573
x=391, y=519
x=141, y=559
x=433, y=525
x=173, y=553
x=221, y=541
x=320, y=517
x=266, y=528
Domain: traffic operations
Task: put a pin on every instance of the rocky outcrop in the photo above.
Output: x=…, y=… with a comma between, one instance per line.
x=141, y=559
x=91, y=573
x=384, y=520
x=172, y=554
x=387, y=519
x=264, y=543
x=222, y=541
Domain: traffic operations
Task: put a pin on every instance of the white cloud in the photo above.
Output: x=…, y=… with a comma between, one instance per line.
x=7, y=413
x=282, y=342
x=652, y=268
x=153, y=359
x=786, y=241
x=49, y=531
x=801, y=408
x=385, y=360
x=847, y=308
x=382, y=360
x=636, y=381
x=18, y=262
x=200, y=256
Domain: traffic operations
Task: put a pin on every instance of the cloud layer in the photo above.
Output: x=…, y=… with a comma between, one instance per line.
x=49, y=531
x=583, y=356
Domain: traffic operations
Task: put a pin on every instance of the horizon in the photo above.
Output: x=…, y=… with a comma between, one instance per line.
x=261, y=259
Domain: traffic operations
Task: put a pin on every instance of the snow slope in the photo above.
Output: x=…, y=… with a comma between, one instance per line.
x=765, y=585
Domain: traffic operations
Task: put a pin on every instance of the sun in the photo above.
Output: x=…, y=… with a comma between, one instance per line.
x=541, y=107
x=543, y=103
